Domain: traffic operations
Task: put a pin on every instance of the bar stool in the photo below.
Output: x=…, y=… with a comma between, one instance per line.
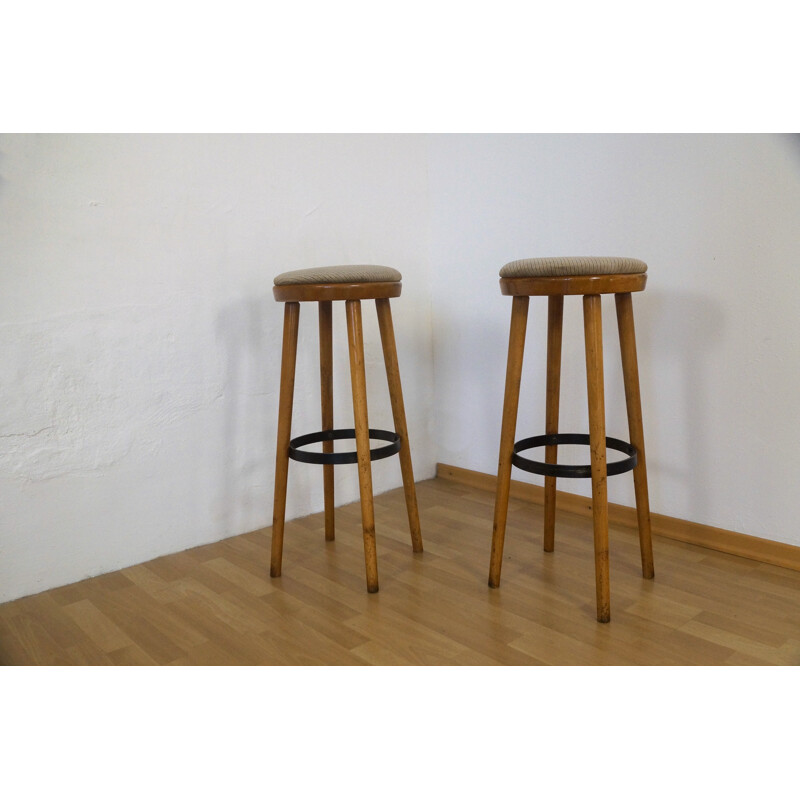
x=324, y=285
x=554, y=278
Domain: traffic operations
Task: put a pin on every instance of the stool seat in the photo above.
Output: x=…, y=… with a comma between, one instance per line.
x=349, y=273
x=566, y=266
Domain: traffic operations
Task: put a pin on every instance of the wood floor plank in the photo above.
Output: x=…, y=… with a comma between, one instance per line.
x=732, y=624
x=253, y=584
x=73, y=593
x=241, y=643
x=218, y=654
x=661, y=610
x=174, y=567
x=52, y=617
x=198, y=602
x=307, y=587
x=217, y=605
x=11, y=650
x=554, y=648
x=37, y=644
x=139, y=617
x=783, y=654
x=97, y=626
x=382, y=655
x=412, y=642
x=132, y=656
x=147, y=580
x=86, y=654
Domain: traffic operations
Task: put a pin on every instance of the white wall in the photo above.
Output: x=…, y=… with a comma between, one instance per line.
x=140, y=344
x=716, y=218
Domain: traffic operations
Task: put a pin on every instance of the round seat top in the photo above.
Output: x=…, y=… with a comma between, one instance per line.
x=355, y=273
x=564, y=267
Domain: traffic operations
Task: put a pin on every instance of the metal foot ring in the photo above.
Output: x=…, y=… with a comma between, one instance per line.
x=568, y=470
x=341, y=458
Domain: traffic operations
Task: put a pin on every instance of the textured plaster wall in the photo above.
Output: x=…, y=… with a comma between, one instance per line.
x=140, y=344
x=716, y=218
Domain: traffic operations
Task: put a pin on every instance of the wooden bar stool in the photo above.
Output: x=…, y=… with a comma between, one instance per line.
x=324, y=285
x=554, y=278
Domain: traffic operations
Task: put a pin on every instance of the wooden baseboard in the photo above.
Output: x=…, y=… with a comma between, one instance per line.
x=725, y=541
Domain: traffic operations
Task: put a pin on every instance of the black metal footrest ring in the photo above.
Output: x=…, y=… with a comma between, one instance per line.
x=309, y=457
x=568, y=470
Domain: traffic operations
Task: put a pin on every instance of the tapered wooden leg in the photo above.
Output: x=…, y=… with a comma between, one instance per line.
x=359, y=381
x=555, y=316
x=516, y=347
x=630, y=372
x=593, y=331
x=291, y=318
x=326, y=385
x=399, y=414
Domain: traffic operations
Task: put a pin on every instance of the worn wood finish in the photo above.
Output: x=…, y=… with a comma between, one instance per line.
x=326, y=397
x=308, y=292
x=516, y=349
x=574, y=284
x=214, y=604
x=359, y=383
x=630, y=372
x=593, y=334
x=555, y=317
x=399, y=414
x=291, y=319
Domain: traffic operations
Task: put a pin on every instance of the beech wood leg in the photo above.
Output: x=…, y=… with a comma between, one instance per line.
x=555, y=316
x=359, y=382
x=630, y=372
x=399, y=413
x=516, y=347
x=291, y=318
x=326, y=393
x=593, y=332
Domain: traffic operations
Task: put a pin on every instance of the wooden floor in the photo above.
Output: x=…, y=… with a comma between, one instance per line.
x=217, y=605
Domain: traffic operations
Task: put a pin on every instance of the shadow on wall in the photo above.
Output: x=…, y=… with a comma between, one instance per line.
x=790, y=139
x=470, y=363
x=250, y=332
x=678, y=334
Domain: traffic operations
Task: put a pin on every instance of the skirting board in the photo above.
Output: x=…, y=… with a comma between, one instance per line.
x=736, y=544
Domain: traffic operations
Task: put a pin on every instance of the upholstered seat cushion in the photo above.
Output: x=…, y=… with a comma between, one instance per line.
x=356, y=273
x=565, y=266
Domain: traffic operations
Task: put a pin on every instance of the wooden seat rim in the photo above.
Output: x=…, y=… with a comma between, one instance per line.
x=367, y=290
x=574, y=284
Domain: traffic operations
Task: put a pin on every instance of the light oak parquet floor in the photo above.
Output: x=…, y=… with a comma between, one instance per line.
x=217, y=605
